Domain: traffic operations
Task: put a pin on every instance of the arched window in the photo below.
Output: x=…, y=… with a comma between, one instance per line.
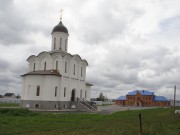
x=55, y=106
x=65, y=44
x=44, y=65
x=74, y=69
x=64, y=91
x=34, y=66
x=38, y=91
x=36, y=106
x=56, y=65
x=81, y=94
x=66, y=67
x=85, y=93
x=81, y=71
x=60, y=43
x=55, y=93
x=54, y=43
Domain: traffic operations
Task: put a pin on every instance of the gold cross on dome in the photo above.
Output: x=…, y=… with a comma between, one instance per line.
x=61, y=11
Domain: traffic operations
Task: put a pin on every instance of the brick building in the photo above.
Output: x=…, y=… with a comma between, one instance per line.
x=142, y=98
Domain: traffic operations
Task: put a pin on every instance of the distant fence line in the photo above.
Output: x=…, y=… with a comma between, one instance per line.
x=10, y=100
x=103, y=103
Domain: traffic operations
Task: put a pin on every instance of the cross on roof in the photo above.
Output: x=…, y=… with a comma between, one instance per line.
x=61, y=11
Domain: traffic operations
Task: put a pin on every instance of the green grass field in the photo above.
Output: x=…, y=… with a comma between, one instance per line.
x=9, y=104
x=159, y=121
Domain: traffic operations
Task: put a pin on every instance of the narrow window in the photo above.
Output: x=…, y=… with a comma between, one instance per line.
x=34, y=67
x=55, y=94
x=64, y=91
x=54, y=43
x=29, y=86
x=81, y=71
x=85, y=93
x=81, y=94
x=44, y=65
x=66, y=67
x=65, y=44
x=56, y=65
x=60, y=43
x=74, y=69
x=38, y=91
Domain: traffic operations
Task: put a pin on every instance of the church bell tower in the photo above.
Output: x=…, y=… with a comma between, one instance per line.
x=59, y=37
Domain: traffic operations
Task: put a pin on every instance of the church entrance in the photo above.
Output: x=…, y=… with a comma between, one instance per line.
x=73, y=95
x=137, y=103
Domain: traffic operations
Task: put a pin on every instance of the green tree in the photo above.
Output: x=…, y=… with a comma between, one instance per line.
x=101, y=97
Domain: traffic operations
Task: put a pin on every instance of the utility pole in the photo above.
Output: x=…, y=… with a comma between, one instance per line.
x=174, y=98
x=140, y=123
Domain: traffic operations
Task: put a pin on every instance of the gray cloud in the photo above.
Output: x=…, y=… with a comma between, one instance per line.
x=12, y=25
x=3, y=64
x=16, y=24
x=107, y=21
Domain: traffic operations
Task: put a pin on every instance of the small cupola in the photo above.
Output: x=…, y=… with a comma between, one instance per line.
x=59, y=37
x=60, y=28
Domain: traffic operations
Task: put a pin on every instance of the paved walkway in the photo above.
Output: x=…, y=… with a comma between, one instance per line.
x=115, y=108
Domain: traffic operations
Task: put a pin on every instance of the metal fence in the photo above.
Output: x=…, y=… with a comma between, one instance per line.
x=10, y=100
x=103, y=103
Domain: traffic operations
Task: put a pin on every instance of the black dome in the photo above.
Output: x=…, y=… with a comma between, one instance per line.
x=60, y=28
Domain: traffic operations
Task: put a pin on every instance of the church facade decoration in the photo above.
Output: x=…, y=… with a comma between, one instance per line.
x=56, y=79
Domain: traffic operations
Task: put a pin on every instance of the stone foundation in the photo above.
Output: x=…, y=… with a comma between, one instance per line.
x=52, y=105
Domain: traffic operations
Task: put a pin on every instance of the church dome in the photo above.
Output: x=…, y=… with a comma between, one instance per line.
x=60, y=28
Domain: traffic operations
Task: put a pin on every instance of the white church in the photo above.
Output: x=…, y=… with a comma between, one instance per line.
x=56, y=80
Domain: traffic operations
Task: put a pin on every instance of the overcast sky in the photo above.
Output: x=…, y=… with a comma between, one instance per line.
x=129, y=44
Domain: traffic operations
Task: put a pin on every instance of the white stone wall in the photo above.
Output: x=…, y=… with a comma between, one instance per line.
x=88, y=88
x=47, y=85
x=51, y=59
x=65, y=84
